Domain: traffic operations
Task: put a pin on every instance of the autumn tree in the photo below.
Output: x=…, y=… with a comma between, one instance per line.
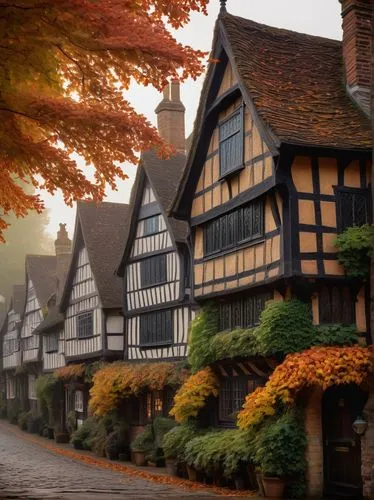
x=65, y=65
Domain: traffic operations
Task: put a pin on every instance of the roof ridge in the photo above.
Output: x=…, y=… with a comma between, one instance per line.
x=278, y=29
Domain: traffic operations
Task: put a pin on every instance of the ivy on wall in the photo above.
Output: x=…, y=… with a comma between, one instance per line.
x=355, y=246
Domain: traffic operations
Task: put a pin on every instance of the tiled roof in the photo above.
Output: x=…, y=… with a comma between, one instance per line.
x=41, y=269
x=53, y=319
x=296, y=82
x=165, y=176
x=18, y=298
x=104, y=228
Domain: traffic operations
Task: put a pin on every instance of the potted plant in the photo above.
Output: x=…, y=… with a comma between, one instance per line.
x=174, y=443
x=113, y=445
x=142, y=446
x=280, y=452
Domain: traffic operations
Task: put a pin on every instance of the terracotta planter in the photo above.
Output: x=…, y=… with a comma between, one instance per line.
x=171, y=466
x=138, y=457
x=192, y=473
x=273, y=486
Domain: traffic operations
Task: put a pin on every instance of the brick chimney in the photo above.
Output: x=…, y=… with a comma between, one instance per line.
x=63, y=256
x=170, y=117
x=357, y=49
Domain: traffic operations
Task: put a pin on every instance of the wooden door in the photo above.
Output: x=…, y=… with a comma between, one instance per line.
x=342, y=447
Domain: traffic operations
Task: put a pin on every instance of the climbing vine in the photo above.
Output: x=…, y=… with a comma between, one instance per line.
x=192, y=396
x=318, y=366
x=117, y=381
x=354, y=250
x=70, y=372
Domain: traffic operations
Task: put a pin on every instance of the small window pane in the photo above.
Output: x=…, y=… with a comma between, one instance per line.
x=85, y=325
x=228, y=230
x=156, y=328
x=153, y=270
x=151, y=225
x=231, y=143
x=353, y=209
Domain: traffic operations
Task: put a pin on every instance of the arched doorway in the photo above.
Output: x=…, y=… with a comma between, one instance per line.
x=342, y=447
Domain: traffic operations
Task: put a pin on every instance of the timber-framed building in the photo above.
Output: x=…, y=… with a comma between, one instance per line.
x=155, y=264
x=280, y=164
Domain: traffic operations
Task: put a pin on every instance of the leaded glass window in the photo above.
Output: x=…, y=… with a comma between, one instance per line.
x=231, y=143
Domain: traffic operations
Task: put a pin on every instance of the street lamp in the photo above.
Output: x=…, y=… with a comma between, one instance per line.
x=360, y=425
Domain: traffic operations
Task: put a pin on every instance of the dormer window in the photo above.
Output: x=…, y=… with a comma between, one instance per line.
x=151, y=225
x=231, y=141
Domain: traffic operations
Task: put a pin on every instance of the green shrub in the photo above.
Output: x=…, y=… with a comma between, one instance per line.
x=114, y=445
x=23, y=418
x=175, y=441
x=280, y=447
x=145, y=441
x=161, y=426
x=338, y=335
x=45, y=387
x=81, y=439
x=71, y=422
x=354, y=250
x=285, y=327
x=237, y=343
x=35, y=424
x=223, y=450
x=203, y=328
x=14, y=411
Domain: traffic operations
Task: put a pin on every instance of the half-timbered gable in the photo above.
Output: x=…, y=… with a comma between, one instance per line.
x=11, y=330
x=271, y=179
x=156, y=265
x=51, y=329
x=91, y=302
x=40, y=285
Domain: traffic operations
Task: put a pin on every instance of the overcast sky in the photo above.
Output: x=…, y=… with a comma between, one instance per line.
x=317, y=17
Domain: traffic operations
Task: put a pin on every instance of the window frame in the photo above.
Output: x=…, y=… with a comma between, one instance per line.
x=146, y=231
x=147, y=274
x=49, y=349
x=242, y=303
x=341, y=190
x=167, y=337
x=79, y=401
x=228, y=391
x=218, y=224
x=232, y=170
x=78, y=321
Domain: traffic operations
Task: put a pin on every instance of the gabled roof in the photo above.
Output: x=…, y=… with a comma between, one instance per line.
x=164, y=177
x=296, y=82
x=53, y=319
x=293, y=84
x=41, y=270
x=102, y=228
x=18, y=298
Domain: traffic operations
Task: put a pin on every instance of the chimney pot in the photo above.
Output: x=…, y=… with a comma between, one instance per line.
x=357, y=49
x=170, y=117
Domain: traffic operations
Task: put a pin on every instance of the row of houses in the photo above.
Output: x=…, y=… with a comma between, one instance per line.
x=247, y=210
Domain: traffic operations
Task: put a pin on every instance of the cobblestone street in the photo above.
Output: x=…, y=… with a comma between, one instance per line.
x=28, y=471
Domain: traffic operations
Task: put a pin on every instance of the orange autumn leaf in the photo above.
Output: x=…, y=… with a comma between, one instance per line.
x=70, y=372
x=66, y=66
x=316, y=367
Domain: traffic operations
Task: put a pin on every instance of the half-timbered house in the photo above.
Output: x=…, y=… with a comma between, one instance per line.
x=51, y=329
x=91, y=302
x=40, y=285
x=11, y=351
x=156, y=260
x=280, y=164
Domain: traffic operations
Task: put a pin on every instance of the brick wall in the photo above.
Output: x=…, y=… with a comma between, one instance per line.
x=314, y=450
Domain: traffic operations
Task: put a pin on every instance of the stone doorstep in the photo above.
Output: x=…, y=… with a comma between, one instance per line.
x=161, y=471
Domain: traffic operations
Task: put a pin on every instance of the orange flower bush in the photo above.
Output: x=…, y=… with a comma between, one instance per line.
x=193, y=394
x=70, y=372
x=318, y=366
x=117, y=381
